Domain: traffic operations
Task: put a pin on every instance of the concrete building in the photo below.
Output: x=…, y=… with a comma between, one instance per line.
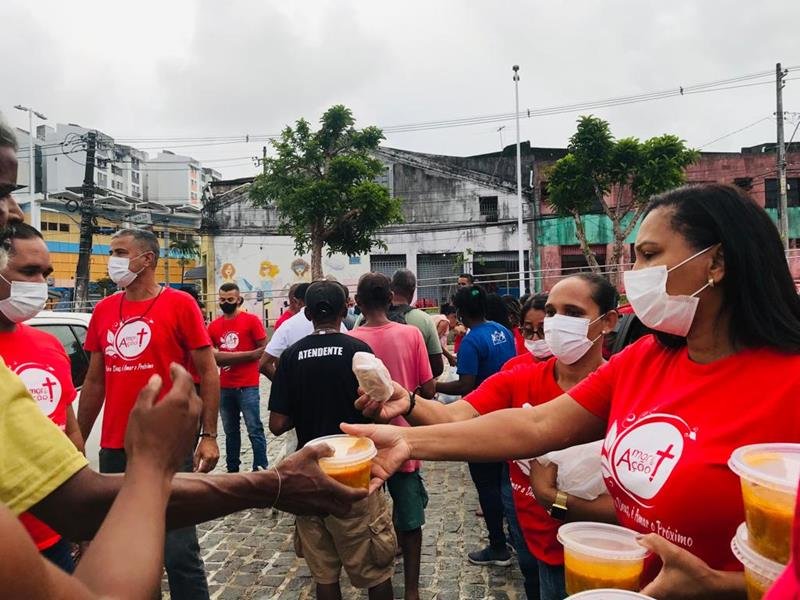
x=174, y=180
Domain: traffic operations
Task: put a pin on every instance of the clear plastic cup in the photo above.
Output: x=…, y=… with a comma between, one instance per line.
x=352, y=459
x=759, y=572
x=598, y=556
x=769, y=474
x=609, y=594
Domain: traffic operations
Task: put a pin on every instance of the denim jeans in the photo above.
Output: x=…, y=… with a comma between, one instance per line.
x=60, y=554
x=185, y=569
x=552, y=585
x=528, y=564
x=487, y=478
x=244, y=401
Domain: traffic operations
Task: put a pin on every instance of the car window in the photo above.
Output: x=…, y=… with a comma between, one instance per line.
x=72, y=340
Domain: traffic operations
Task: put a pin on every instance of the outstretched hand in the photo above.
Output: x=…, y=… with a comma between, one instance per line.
x=393, y=449
x=161, y=435
x=382, y=412
x=306, y=490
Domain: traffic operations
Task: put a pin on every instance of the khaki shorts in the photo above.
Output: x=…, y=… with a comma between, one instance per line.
x=364, y=543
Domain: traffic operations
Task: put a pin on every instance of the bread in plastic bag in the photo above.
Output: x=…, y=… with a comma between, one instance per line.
x=373, y=376
x=579, y=472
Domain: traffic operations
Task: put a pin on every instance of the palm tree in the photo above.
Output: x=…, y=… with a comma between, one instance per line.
x=185, y=249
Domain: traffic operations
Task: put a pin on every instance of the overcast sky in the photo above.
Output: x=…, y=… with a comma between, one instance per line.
x=179, y=68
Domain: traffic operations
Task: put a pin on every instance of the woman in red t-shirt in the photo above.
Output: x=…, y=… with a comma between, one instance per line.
x=585, y=297
x=531, y=321
x=722, y=371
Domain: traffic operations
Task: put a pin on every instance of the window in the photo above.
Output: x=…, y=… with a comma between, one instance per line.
x=115, y=170
x=135, y=163
x=72, y=338
x=771, y=192
x=102, y=180
x=488, y=207
x=64, y=227
x=135, y=176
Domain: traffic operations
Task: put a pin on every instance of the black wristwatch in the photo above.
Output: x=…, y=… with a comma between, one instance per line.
x=412, y=400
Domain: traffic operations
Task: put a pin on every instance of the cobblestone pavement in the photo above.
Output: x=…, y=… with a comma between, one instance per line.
x=250, y=554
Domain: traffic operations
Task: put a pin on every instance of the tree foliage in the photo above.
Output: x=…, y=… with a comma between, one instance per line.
x=323, y=186
x=185, y=250
x=618, y=175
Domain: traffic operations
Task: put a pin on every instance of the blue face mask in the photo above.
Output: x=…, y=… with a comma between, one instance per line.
x=351, y=311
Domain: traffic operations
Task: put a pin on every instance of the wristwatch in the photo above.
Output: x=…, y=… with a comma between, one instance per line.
x=558, y=510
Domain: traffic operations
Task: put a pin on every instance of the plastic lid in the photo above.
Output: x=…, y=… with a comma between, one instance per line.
x=772, y=465
x=601, y=540
x=609, y=594
x=348, y=449
x=752, y=560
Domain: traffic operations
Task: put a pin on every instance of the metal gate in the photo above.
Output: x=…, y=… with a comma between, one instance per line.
x=436, y=277
x=386, y=263
x=498, y=272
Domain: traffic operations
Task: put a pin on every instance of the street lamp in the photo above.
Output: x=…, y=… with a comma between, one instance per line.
x=36, y=220
x=520, y=248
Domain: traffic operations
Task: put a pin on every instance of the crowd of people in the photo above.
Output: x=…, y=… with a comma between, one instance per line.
x=655, y=423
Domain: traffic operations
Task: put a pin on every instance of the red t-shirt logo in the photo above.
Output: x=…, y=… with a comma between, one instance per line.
x=230, y=341
x=42, y=385
x=130, y=340
x=641, y=457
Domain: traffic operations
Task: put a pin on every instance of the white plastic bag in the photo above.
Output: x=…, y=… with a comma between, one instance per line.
x=449, y=374
x=579, y=472
x=373, y=376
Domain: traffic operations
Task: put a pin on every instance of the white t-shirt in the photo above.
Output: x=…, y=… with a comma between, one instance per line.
x=292, y=331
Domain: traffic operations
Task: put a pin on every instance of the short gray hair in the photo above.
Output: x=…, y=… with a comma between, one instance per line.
x=405, y=282
x=8, y=139
x=147, y=239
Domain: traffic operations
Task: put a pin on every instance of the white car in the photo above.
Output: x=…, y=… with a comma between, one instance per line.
x=70, y=329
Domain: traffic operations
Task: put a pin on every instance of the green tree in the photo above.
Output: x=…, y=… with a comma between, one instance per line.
x=323, y=186
x=186, y=250
x=618, y=175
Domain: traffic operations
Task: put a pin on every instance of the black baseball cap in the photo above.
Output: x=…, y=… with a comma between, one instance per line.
x=325, y=299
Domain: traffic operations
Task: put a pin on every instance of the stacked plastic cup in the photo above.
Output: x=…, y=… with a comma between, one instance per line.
x=769, y=475
x=598, y=556
x=351, y=461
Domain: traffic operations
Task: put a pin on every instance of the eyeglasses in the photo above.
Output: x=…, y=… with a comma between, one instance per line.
x=529, y=332
x=6, y=189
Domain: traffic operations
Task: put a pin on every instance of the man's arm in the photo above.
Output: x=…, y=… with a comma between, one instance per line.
x=73, y=431
x=278, y=423
x=92, y=394
x=225, y=359
x=77, y=507
x=461, y=387
x=437, y=363
x=268, y=365
x=207, y=453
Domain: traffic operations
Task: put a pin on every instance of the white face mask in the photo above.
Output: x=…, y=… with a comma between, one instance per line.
x=119, y=271
x=566, y=337
x=25, y=300
x=646, y=290
x=538, y=348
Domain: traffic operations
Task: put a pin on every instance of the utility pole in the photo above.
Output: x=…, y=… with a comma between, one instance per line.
x=87, y=226
x=36, y=215
x=166, y=252
x=534, y=260
x=783, y=213
x=264, y=159
x=520, y=249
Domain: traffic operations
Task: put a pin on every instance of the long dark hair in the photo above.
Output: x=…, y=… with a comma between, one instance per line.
x=758, y=292
x=497, y=311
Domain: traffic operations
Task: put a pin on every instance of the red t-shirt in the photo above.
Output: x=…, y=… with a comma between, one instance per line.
x=402, y=349
x=787, y=587
x=672, y=425
x=138, y=339
x=240, y=333
x=285, y=316
x=39, y=360
x=532, y=384
x=521, y=360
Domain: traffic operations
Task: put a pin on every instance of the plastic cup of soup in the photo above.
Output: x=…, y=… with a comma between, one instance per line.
x=599, y=556
x=609, y=594
x=769, y=474
x=759, y=572
x=351, y=461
